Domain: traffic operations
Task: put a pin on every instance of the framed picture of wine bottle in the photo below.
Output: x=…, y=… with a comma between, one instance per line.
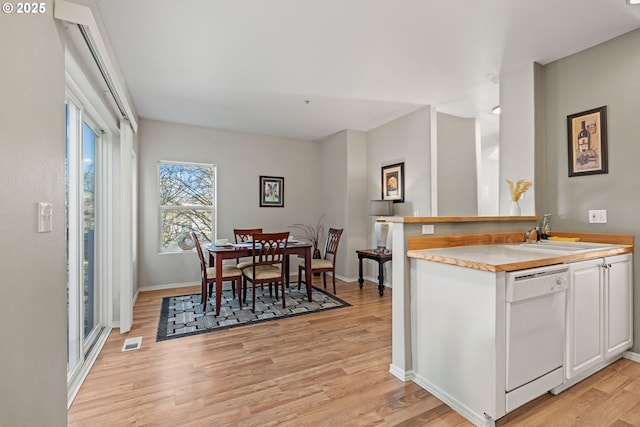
x=587, y=133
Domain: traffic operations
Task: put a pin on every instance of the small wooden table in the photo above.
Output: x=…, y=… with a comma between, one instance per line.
x=381, y=258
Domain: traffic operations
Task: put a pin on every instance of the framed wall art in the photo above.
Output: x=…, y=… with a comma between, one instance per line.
x=393, y=182
x=271, y=191
x=587, y=134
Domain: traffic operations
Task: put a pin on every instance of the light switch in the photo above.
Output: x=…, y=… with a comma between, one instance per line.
x=45, y=217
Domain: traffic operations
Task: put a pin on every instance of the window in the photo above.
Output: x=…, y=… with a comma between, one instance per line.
x=187, y=203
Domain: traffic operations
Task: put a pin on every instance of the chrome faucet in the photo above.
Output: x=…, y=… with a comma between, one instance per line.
x=545, y=229
x=527, y=234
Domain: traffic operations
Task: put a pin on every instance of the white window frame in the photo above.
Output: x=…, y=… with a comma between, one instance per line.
x=90, y=349
x=214, y=209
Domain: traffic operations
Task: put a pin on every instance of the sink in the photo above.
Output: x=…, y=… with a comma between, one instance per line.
x=562, y=248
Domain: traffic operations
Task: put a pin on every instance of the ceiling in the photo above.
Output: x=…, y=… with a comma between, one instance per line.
x=306, y=69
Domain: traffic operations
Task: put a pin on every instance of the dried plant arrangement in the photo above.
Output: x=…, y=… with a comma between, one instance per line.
x=312, y=234
x=519, y=188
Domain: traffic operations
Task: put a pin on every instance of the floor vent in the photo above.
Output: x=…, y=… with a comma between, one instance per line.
x=132, y=344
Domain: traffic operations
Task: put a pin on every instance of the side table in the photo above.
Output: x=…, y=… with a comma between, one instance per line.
x=380, y=258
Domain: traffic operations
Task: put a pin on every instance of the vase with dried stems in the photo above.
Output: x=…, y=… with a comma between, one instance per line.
x=517, y=190
x=311, y=234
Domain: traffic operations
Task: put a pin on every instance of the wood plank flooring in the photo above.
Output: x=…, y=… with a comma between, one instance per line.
x=322, y=369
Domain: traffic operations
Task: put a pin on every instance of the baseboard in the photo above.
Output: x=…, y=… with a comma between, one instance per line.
x=375, y=281
x=355, y=279
x=167, y=286
x=187, y=284
x=475, y=418
x=401, y=374
x=631, y=356
x=583, y=376
x=346, y=279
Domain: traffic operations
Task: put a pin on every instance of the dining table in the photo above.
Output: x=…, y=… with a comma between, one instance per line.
x=217, y=254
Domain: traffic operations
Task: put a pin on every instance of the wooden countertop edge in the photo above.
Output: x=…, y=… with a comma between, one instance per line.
x=453, y=219
x=448, y=241
x=519, y=265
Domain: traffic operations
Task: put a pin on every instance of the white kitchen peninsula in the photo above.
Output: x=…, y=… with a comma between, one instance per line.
x=463, y=302
x=407, y=235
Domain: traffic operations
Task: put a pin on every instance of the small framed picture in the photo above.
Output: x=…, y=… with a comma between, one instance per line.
x=393, y=182
x=271, y=191
x=587, y=134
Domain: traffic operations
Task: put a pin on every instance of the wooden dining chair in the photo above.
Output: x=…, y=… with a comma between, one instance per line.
x=267, y=265
x=327, y=264
x=244, y=235
x=208, y=276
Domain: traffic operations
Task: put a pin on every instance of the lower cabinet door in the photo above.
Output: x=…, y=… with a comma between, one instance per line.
x=585, y=317
x=619, y=300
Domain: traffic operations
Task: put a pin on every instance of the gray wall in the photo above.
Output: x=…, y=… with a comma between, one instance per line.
x=603, y=75
x=33, y=390
x=240, y=158
x=344, y=195
x=357, y=200
x=457, y=169
x=408, y=140
x=335, y=192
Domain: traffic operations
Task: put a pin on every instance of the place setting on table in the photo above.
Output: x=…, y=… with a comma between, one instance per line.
x=186, y=315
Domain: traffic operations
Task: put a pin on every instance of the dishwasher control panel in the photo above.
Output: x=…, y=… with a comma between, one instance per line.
x=525, y=284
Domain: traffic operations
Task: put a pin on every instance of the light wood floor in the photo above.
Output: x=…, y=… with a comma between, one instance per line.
x=328, y=368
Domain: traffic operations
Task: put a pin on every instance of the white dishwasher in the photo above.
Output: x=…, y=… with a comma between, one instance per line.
x=535, y=332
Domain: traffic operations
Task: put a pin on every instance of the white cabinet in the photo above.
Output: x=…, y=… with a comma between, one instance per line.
x=599, y=313
x=618, y=305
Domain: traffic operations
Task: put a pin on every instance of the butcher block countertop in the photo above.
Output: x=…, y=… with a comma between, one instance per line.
x=509, y=256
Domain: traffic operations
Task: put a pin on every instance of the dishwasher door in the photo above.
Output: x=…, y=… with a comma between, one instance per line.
x=535, y=317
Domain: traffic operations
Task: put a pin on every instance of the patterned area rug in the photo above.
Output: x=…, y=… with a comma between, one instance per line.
x=182, y=316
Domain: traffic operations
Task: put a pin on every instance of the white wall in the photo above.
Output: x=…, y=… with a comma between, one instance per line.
x=457, y=166
x=240, y=158
x=489, y=180
x=33, y=390
x=517, y=134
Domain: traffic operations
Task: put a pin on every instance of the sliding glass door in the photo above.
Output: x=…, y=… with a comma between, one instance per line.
x=83, y=292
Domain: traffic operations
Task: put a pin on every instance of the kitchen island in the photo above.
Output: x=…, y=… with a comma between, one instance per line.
x=478, y=312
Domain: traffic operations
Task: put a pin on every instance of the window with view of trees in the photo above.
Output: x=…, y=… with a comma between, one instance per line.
x=186, y=202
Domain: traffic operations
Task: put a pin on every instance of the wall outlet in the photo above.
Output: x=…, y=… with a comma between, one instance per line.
x=428, y=229
x=598, y=216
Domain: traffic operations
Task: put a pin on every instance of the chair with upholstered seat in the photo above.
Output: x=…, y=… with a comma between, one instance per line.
x=327, y=264
x=267, y=265
x=208, y=275
x=244, y=235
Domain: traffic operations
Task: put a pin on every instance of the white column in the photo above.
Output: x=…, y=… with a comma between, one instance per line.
x=126, y=227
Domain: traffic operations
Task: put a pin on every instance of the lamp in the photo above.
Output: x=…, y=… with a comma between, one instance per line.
x=381, y=208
